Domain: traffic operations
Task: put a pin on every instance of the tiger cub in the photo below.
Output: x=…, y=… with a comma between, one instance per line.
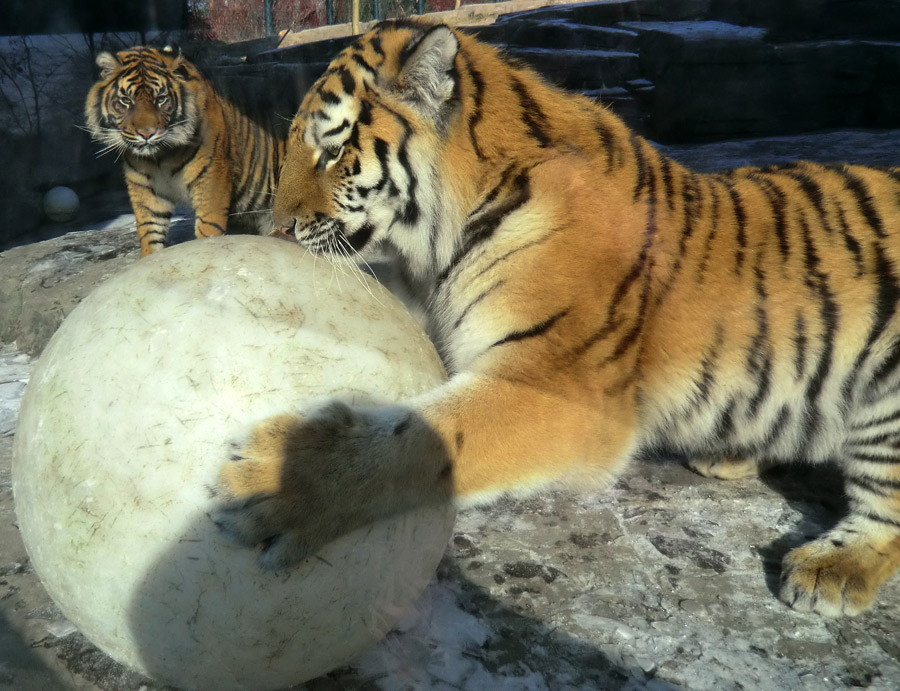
x=182, y=142
x=592, y=299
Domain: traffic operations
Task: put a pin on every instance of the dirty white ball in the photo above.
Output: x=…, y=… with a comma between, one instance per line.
x=61, y=204
x=122, y=431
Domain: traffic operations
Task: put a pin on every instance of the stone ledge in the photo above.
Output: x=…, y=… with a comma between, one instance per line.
x=41, y=283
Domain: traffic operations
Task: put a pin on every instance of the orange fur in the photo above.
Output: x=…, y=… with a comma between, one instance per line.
x=182, y=142
x=593, y=298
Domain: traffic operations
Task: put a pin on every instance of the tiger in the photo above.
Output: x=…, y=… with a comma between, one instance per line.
x=183, y=142
x=593, y=300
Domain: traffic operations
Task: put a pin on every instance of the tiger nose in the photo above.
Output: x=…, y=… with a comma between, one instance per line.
x=147, y=132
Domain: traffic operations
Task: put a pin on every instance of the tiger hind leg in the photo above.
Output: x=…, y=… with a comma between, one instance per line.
x=724, y=468
x=840, y=572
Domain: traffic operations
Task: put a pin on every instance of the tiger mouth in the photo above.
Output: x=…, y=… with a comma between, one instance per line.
x=330, y=236
x=144, y=148
x=141, y=147
x=322, y=235
x=170, y=137
x=283, y=233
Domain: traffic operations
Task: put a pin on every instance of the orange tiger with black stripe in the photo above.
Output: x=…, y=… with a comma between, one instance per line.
x=593, y=299
x=181, y=142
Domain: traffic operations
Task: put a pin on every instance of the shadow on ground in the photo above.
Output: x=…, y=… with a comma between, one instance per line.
x=20, y=662
x=817, y=494
x=456, y=636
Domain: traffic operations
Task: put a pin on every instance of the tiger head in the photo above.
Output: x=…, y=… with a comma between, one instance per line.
x=143, y=102
x=364, y=152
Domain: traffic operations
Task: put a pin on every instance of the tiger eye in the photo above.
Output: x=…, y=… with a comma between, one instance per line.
x=329, y=154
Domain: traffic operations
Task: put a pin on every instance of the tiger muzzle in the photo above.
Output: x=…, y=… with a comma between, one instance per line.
x=285, y=231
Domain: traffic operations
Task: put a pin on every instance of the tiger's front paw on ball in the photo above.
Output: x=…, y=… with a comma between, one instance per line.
x=255, y=508
x=257, y=462
x=256, y=522
x=280, y=490
x=285, y=533
x=833, y=579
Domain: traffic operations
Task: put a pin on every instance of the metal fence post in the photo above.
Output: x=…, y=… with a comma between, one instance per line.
x=270, y=22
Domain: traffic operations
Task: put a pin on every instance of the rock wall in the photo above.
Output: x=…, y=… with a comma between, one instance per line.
x=699, y=70
x=676, y=70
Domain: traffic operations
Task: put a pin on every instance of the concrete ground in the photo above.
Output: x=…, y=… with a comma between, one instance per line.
x=665, y=581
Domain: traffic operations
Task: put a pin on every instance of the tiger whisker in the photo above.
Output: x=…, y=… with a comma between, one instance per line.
x=334, y=256
x=354, y=258
x=250, y=211
x=315, y=273
x=344, y=257
x=108, y=148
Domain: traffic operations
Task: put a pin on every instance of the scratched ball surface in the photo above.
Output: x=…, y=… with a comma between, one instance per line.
x=123, y=428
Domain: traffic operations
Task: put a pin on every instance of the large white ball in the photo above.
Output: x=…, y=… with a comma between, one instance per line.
x=61, y=204
x=123, y=428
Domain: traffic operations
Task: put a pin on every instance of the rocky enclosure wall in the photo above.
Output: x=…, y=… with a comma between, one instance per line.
x=676, y=70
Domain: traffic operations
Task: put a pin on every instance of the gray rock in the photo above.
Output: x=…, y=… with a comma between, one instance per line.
x=42, y=282
x=580, y=69
x=596, y=13
x=558, y=33
x=714, y=79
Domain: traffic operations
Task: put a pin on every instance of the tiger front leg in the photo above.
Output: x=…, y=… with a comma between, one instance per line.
x=840, y=572
x=301, y=481
x=152, y=213
x=209, y=185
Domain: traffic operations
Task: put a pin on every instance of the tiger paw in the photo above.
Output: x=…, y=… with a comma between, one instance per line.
x=257, y=462
x=280, y=490
x=832, y=578
x=723, y=468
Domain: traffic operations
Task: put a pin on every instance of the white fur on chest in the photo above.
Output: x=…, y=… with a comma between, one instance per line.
x=162, y=179
x=170, y=185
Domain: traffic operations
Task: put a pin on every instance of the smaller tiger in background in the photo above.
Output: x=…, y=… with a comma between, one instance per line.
x=183, y=142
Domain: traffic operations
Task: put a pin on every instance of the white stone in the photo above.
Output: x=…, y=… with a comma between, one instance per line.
x=61, y=204
x=127, y=419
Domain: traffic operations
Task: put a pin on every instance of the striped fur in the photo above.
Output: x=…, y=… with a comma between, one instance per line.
x=181, y=142
x=593, y=299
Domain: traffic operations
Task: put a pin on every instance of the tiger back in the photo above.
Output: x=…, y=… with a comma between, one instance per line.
x=594, y=299
x=181, y=141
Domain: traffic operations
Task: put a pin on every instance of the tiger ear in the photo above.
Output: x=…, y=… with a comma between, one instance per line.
x=177, y=65
x=108, y=63
x=426, y=77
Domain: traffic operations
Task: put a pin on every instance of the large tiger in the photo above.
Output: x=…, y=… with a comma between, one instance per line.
x=182, y=142
x=593, y=299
